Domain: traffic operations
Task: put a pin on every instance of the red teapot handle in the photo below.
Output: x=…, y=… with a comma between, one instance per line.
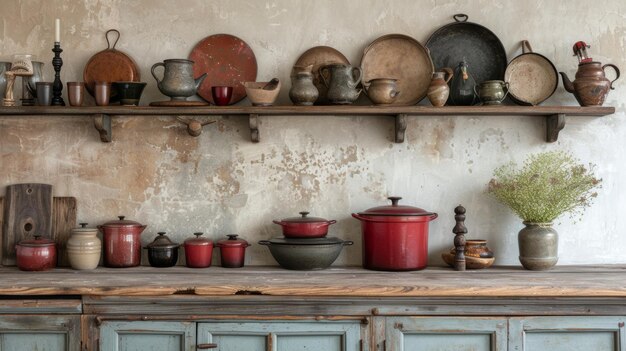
x=616, y=72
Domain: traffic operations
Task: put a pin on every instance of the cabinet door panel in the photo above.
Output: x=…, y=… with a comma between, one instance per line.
x=42, y=333
x=567, y=334
x=154, y=336
x=281, y=336
x=446, y=334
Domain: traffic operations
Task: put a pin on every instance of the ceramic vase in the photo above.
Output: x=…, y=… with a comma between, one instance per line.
x=538, y=246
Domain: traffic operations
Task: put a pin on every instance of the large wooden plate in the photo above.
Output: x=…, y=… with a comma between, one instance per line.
x=318, y=57
x=110, y=65
x=403, y=58
x=227, y=60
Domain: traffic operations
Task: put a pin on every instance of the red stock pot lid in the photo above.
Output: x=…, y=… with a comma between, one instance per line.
x=37, y=242
x=198, y=241
x=121, y=222
x=232, y=241
x=395, y=210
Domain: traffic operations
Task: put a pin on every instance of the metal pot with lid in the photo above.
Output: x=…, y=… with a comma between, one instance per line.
x=232, y=251
x=36, y=254
x=305, y=226
x=162, y=252
x=122, y=242
x=198, y=251
x=395, y=237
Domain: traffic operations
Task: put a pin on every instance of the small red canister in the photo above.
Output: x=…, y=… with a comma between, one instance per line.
x=232, y=251
x=122, y=242
x=198, y=251
x=36, y=255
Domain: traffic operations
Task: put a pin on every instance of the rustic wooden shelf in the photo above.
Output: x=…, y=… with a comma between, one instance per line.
x=561, y=281
x=555, y=116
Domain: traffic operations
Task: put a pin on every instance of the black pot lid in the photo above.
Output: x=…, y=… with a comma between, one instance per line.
x=395, y=209
x=162, y=241
x=303, y=241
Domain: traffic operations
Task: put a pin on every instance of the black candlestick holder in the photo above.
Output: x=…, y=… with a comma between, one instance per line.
x=57, y=86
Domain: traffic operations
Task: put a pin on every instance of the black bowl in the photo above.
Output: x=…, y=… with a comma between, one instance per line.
x=128, y=93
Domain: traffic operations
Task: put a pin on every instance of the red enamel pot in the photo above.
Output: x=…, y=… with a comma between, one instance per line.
x=395, y=238
x=305, y=226
x=232, y=251
x=198, y=251
x=39, y=254
x=122, y=242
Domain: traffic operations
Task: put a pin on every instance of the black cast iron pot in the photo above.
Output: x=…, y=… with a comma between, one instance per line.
x=162, y=252
x=305, y=254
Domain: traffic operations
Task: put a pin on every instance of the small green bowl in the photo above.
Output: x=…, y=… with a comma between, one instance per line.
x=128, y=93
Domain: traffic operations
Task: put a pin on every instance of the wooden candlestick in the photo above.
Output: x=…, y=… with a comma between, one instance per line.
x=459, y=239
x=57, y=86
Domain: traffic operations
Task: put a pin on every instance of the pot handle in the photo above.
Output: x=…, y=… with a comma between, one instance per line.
x=433, y=216
x=279, y=222
x=264, y=242
x=616, y=72
x=365, y=219
x=348, y=243
x=526, y=48
x=332, y=221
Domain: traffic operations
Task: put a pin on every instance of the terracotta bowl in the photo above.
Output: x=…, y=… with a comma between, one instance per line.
x=260, y=97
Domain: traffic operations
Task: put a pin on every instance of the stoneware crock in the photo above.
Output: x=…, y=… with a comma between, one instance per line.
x=84, y=248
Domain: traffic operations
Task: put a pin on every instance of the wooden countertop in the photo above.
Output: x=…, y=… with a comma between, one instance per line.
x=562, y=281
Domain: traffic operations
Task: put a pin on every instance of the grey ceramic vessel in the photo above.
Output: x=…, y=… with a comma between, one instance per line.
x=538, y=246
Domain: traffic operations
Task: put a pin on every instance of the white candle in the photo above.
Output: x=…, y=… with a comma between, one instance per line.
x=57, y=30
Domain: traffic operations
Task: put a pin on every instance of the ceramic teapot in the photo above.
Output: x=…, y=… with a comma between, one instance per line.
x=178, y=82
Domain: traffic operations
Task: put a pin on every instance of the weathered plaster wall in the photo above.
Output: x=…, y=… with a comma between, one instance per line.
x=221, y=183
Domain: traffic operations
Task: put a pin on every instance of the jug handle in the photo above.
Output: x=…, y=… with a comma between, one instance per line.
x=154, y=67
x=357, y=80
x=506, y=84
x=449, y=73
x=616, y=72
x=526, y=48
x=476, y=92
x=321, y=71
x=106, y=35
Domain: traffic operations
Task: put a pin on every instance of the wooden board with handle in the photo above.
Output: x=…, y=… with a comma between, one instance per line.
x=27, y=211
x=63, y=220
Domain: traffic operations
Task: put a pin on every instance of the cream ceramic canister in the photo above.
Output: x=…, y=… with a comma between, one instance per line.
x=84, y=248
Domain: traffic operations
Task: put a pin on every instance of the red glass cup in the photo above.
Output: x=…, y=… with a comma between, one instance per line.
x=221, y=95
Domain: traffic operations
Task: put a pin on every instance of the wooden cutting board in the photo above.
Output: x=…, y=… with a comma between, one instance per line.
x=63, y=220
x=27, y=210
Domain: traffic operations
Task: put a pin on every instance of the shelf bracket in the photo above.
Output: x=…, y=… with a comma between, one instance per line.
x=102, y=123
x=554, y=123
x=400, y=127
x=254, y=128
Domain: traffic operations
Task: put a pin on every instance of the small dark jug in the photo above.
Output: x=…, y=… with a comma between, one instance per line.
x=462, y=87
x=591, y=85
x=341, y=83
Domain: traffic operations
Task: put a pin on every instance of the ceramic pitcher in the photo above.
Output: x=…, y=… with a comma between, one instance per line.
x=178, y=82
x=438, y=90
x=341, y=83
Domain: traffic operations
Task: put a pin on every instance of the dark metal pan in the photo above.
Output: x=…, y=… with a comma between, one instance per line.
x=469, y=42
x=532, y=77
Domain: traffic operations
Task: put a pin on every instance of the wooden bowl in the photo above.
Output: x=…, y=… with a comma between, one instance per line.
x=470, y=262
x=259, y=96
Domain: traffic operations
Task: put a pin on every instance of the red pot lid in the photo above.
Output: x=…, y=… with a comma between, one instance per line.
x=121, y=222
x=39, y=241
x=162, y=241
x=198, y=241
x=395, y=210
x=232, y=241
x=304, y=218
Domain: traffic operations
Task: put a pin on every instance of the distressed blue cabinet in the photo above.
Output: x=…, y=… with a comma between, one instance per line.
x=567, y=334
x=445, y=334
x=282, y=336
x=39, y=332
x=153, y=336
